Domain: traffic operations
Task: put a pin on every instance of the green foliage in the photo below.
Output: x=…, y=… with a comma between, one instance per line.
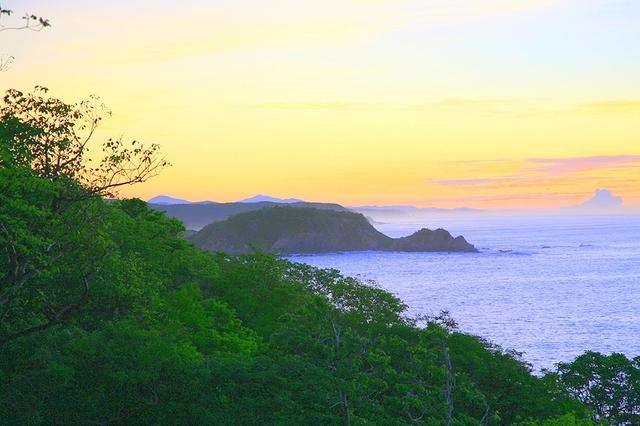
x=289, y=229
x=109, y=316
x=50, y=251
x=608, y=384
x=565, y=420
x=158, y=342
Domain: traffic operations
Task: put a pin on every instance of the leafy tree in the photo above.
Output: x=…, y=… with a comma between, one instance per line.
x=50, y=210
x=608, y=384
x=565, y=420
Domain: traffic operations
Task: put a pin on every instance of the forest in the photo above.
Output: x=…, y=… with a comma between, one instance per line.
x=108, y=315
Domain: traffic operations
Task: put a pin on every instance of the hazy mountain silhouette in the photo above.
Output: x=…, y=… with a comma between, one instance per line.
x=259, y=198
x=165, y=199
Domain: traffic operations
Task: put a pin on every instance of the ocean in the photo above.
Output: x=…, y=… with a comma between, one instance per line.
x=549, y=287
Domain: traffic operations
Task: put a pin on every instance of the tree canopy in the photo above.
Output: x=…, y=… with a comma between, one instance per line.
x=109, y=316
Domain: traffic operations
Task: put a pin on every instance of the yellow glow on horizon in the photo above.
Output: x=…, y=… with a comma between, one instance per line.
x=354, y=101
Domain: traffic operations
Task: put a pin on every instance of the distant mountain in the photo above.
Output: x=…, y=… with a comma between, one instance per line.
x=285, y=229
x=260, y=198
x=603, y=199
x=197, y=215
x=167, y=200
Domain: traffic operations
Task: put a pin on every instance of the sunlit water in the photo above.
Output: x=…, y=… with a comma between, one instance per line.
x=548, y=287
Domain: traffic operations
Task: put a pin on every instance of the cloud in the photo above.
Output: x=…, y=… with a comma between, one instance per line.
x=184, y=42
x=535, y=196
x=521, y=182
x=482, y=105
x=443, y=105
x=337, y=105
x=476, y=182
x=555, y=166
x=241, y=25
x=615, y=106
x=502, y=6
x=515, y=108
x=540, y=171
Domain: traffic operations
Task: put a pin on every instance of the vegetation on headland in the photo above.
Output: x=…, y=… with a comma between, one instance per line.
x=288, y=229
x=109, y=316
x=198, y=215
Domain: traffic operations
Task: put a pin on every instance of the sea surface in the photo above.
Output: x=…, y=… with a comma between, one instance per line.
x=549, y=287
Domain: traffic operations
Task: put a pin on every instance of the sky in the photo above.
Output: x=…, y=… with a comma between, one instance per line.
x=449, y=103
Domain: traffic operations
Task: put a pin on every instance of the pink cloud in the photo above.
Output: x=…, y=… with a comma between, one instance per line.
x=559, y=166
x=540, y=170
x=474, y=182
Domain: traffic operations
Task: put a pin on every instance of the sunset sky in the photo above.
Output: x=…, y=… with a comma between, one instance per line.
x=479, y=103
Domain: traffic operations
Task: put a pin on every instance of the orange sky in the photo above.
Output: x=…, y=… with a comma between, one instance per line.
x=480, y=103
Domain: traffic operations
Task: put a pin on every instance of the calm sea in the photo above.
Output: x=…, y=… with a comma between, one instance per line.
x=550, y=287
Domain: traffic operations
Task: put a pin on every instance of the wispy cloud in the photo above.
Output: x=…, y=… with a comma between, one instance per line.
x=253, y=25
x=514, y=108
x=502, y=6
x=440, y=105
x=555, y=166
x=540, y=171
x=615, y=106
x=520, y=182
x=476, y=181
x=337, y=105
x=530, y=196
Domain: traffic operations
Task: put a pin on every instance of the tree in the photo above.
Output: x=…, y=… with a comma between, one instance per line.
x=50, y=206
x=608, y=384
x=52, y=138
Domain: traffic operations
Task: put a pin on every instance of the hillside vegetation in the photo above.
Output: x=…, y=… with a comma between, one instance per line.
x=309, y=230
x=110, y=317
x=197, y=215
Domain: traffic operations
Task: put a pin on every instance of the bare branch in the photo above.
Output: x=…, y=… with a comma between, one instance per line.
x=5, y=62
x=30, y=22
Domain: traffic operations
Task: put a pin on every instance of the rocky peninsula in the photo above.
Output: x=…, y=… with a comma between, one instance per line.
x=288, y=230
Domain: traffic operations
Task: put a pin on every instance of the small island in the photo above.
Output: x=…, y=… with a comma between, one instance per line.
x=288, y=230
